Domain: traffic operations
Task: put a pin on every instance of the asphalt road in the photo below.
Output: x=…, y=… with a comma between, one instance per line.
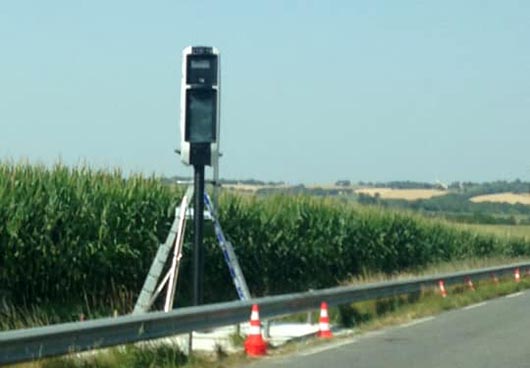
x=491, y=334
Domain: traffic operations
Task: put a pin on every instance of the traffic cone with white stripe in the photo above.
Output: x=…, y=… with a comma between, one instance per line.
x=495, y=279
x=254, y=344
x=469, y=284
x=324, y=330
x=517, y=275
x=441, y=285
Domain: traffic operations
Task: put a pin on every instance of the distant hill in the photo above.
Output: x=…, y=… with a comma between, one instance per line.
x=255, y=182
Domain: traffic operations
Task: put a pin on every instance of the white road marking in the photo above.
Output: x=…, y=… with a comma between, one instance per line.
x=417, y=322
x=473, y=306
x=326, y=347
x=320, y=349
x=514, y=295
x=355, y=339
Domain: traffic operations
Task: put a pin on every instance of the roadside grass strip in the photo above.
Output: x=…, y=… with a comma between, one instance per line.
x=405, y=309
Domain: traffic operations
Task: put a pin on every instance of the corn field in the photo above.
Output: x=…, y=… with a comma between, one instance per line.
x=71, y=234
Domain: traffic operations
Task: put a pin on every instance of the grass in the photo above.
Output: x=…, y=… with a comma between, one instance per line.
x=402, y=309
x=505, y=231
x=436, y=268
x=17, y=317
x=136, y=356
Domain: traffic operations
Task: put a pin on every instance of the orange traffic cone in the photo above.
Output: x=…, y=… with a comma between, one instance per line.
x=441, y=285
x=517, y=275
x=324, y=331
x=469, y=284
x=495, y=279
x=254, y=344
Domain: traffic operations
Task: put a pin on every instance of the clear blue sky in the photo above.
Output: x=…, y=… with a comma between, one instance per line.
x=313, y=91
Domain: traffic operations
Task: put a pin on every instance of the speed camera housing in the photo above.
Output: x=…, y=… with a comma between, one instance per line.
x=199, y=106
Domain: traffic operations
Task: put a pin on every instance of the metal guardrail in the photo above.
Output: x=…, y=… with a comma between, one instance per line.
x=34, y=343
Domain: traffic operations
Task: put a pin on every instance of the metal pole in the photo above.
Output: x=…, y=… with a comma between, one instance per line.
x=198, y=220
x=216, y=184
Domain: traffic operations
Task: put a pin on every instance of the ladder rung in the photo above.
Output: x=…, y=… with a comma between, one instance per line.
x=189, y=213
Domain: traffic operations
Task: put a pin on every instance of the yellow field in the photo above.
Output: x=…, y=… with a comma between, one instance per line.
x=511, y=198
x=406, y=194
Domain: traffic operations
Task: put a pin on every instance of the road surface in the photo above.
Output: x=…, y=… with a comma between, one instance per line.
x=491, y=334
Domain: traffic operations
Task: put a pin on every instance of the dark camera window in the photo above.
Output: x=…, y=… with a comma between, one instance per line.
x=201, y=116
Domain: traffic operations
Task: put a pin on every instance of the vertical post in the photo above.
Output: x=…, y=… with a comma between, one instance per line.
x=267, y=331
x=216, y=184
x=198, y=220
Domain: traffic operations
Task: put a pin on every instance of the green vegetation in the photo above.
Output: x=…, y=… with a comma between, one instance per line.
x=141, y=356
x=129, y=356
x=400, y=309
x=77, y=234
x=402, y=185
x=303, y=190
x=499, y=186
x=505, y=231
x=85, y=239
x=457, y=207
x=296, y=243
x=454, y=206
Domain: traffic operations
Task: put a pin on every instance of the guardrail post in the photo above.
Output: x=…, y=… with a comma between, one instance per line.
x=190, y=343
x=267, y=329
x=494, y=278
x=469, y=284
x=310, y=313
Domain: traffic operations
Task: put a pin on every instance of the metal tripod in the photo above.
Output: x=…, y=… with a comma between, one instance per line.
x=175, y=239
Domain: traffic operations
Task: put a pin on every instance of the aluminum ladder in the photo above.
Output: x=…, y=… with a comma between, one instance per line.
x=175, y=239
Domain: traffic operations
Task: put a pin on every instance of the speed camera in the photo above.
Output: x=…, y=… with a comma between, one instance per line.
x=199, y=106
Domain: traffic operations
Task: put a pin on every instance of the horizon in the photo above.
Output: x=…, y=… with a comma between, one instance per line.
x=242, y=180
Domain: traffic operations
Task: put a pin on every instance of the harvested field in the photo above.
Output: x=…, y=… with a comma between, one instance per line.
x=406, y=194
x=511, y=198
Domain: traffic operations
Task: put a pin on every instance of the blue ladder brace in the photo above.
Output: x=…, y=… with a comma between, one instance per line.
x=228, y=253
